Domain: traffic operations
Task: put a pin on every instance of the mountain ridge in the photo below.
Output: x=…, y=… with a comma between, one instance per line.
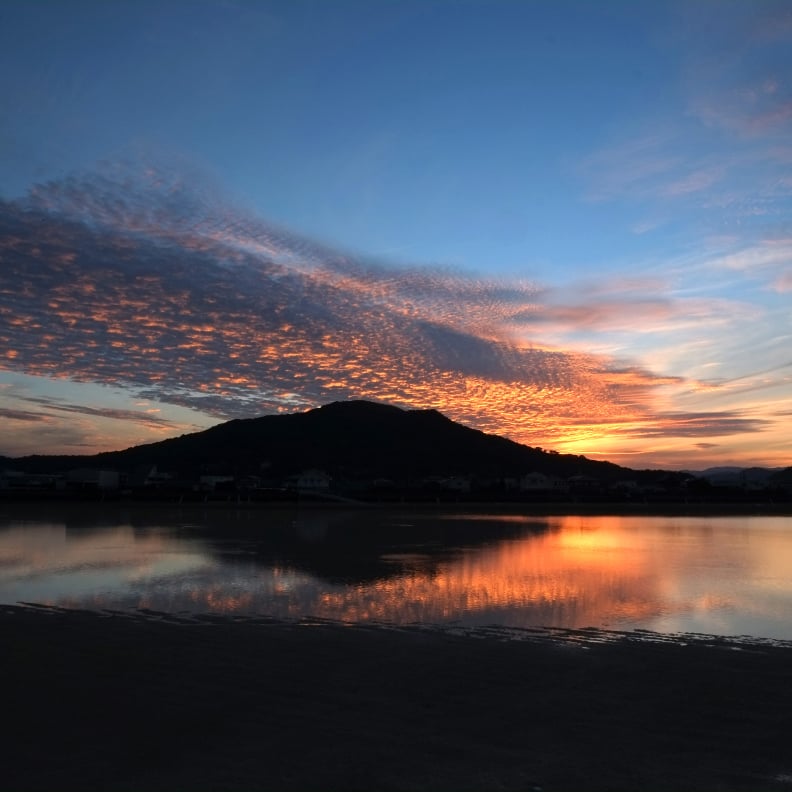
x=365, y=441
x=346, y=438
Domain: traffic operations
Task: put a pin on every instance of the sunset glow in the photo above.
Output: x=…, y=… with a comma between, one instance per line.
x=582, y=246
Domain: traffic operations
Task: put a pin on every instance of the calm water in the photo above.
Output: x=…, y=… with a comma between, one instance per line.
x=715, y=575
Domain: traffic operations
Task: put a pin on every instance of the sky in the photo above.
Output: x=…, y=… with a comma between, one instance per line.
x=568, y=223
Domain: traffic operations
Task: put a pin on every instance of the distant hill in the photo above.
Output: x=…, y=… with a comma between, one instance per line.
x=350, y=439
x=739, y=476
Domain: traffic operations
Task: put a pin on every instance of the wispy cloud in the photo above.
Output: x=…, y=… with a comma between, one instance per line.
x=783, y=283
x=767, y=262
x=717, y=149
x=146, y=418
x=695, y=181
x=699, y=425
x=634, y=167
x=22, y=415
x=739, y=82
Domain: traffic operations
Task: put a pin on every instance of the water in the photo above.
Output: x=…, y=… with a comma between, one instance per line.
x=726, y=576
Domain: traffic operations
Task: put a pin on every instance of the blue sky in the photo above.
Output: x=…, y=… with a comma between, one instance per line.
x=566, y=222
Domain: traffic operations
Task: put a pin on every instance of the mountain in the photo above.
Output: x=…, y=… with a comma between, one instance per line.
x=739, y=476
x=352, y=439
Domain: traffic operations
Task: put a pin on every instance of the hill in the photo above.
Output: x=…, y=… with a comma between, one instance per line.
x=353, y=439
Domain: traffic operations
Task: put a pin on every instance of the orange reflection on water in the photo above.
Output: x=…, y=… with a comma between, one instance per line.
x=720, y=575
x=573, y=575
x=565, y=571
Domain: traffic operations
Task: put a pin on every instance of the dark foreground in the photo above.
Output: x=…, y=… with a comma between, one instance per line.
x=110, y=703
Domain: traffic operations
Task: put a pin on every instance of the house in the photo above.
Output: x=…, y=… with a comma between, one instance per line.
x=585, y=484
x=626, y=487
x=149, y=476
x=447, y=483
x=250, y=482
x=210, y=482
x=456, y=483
x=92, y=479
x=539, y=482
x=16, y=481
x=310, y=480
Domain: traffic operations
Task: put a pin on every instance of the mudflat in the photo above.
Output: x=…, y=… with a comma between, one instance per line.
x=105, y=701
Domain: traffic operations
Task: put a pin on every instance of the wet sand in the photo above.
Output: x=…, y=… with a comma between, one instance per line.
x=100, y=702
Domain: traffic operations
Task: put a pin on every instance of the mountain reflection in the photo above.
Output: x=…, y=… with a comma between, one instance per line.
x=354, y=548
x=621, y=572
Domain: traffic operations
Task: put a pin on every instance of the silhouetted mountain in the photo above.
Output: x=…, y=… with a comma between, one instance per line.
x=782, y=478
x=353, y=439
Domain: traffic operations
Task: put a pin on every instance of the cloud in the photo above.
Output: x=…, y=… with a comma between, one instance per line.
x=749, y=112
x=696, y=181
x=146, y=418
x=21, y=415
x=629, y=306
x=140, y=282
x=633, y=168
x=38, y=432
x=767, y=258
x=783, y=283
x=677, y=424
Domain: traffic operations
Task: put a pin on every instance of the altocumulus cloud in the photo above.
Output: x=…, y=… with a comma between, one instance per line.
x=143, y=283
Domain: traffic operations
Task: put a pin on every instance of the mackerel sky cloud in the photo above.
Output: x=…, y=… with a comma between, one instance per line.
x=569, y=226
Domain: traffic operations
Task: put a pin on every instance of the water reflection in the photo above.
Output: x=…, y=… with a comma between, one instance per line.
x=673, y=574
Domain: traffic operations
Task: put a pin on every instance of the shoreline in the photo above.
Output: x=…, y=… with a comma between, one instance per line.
x=565, y=637
x=528, y=508
x=102, y=701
